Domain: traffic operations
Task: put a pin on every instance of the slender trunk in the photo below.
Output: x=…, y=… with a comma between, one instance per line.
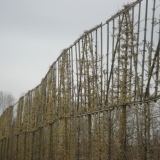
x=89, y=137
x=138, y=137
x=148, y=132
x=109, y=135
x=123, y=134
x=66, y=140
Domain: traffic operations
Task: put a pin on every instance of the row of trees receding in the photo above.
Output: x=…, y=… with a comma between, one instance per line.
x=88, y=107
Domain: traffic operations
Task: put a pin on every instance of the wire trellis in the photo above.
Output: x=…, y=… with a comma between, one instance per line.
x=98, y=99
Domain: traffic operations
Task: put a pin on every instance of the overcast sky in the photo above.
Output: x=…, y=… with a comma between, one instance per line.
x=34, y=32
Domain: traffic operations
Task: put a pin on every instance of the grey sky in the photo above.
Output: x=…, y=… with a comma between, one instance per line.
x=34, y=32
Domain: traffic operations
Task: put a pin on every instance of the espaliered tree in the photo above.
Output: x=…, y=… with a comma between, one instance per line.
x=89, y=95
x=64, y=104
x=124, y=76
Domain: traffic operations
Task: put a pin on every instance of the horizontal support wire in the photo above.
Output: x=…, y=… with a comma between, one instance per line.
x=90, y=94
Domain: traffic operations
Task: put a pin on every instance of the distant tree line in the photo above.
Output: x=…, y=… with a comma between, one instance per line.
x=6, y=100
